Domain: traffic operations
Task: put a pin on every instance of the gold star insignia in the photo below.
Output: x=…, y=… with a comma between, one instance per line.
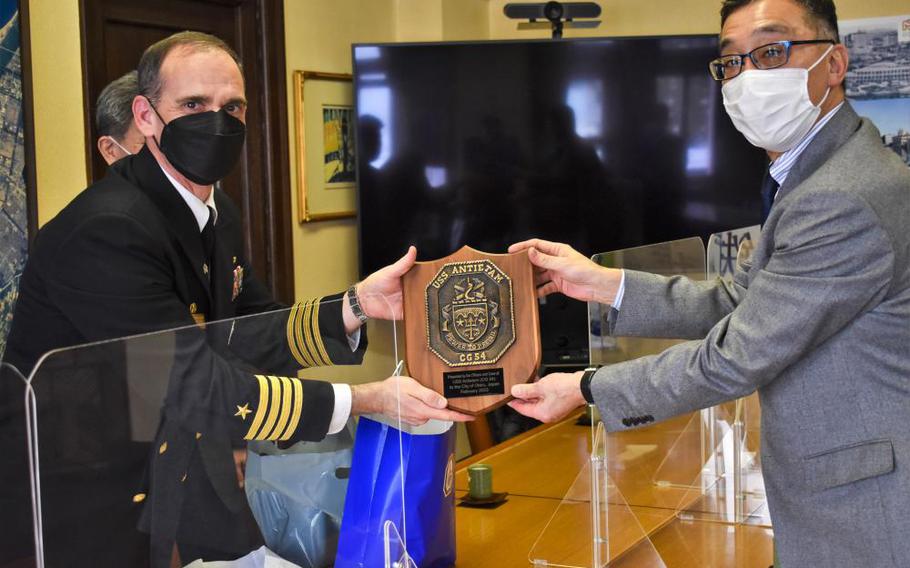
x=242, y=411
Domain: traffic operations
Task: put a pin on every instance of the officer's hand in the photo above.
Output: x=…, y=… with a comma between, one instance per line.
x=380, y=293
x=560, y=268
x=240, y=466
x=550, y=398
x=417, y=403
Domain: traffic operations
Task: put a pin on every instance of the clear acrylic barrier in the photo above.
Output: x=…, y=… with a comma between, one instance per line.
x=706, y=463
x=17, y=539
x=594, y=526
x=690, y=460
x=712, y=466
x=738, y=496
x=147, y=431
x=684, y=257
x=396, y=554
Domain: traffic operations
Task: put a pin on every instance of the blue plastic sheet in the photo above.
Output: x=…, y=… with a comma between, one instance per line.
x=297, y=496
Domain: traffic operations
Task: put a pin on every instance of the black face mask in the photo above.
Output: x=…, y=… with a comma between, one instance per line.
x=203, y=146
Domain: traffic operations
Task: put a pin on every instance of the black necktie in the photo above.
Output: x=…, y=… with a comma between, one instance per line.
x=769, y=187
x=208, y=238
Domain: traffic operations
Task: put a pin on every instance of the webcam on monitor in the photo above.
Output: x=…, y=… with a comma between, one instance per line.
x=553, y=15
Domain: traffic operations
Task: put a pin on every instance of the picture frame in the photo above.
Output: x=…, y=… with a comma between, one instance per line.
x=324, y=123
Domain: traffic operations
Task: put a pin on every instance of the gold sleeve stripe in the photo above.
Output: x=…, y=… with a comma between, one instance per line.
x=298, y=408
x=303, y=340
x=299, y=323
x=308, y=334
x=274, y=408
x=260, y=408
x=318, y=336
x=285, y=410
x=292, y=336
x=298, y=330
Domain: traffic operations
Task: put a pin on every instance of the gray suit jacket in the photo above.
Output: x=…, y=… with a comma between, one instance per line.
x=819, y=323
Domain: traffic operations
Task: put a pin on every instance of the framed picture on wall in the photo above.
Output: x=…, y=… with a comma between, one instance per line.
x=878, y=79
x=324, y=123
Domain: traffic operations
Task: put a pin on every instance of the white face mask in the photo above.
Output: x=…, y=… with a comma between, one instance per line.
x=771, y=107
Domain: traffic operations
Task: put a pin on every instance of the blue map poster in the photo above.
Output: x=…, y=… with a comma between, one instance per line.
x=13, y=200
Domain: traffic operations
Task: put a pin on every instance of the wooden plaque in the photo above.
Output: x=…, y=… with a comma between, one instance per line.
x=471, y=326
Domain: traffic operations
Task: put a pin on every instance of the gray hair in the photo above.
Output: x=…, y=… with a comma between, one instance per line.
x=153, y=57
x=114, y=109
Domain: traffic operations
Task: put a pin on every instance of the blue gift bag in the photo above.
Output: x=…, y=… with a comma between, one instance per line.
x=426, y=459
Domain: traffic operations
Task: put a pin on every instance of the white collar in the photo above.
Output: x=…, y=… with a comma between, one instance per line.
x=199, y=208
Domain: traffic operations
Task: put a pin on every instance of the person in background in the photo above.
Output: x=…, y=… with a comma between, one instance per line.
x=817, y=320
x=118, y=136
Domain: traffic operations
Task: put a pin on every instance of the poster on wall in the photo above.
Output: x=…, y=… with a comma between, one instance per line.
x=878, y=78
x=338, y=145
x=13, y=197
x=324, y=121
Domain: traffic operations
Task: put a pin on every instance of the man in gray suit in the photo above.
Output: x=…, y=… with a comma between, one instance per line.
x=818, y=321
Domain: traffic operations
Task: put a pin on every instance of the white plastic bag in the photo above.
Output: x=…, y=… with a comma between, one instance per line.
x=259, y=558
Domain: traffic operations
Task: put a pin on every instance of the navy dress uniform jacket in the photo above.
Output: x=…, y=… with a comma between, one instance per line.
x=126, y=257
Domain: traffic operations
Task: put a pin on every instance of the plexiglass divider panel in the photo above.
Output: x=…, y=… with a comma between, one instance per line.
x=396, y=554
x=738, y=496
x=688, y=455
x=700, y=467
x=141, y=441
x=18, y=540
x=594, y=525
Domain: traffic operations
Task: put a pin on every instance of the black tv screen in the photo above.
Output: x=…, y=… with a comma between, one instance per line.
x=600, y=143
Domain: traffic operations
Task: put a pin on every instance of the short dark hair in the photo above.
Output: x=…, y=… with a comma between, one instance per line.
x=150, y=64
x=114, y=109
x=821, y=13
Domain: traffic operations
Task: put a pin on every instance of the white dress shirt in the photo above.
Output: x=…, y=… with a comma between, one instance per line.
x=200, y=210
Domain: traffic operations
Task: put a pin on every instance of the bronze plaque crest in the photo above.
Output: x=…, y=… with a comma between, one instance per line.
x=470, y=313
x=471, y=326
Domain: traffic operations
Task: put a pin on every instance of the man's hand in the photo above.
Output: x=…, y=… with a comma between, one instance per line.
x=550, y=398
x=379, y=293
x=240, y=465
x=418, y=403
x=560, y=268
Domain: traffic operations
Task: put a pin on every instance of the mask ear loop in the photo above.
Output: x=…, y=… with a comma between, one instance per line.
x=151, y=104
x=114, y=140
x=813, y=66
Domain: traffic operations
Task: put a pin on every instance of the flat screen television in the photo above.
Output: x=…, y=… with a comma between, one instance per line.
x=600, y=143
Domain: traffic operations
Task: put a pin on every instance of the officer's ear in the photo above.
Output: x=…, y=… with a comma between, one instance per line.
x=144, y=116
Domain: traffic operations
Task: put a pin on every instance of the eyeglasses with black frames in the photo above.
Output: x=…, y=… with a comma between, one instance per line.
x=768, y=56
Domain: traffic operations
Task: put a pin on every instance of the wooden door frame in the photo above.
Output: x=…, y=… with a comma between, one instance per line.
x=277, y=268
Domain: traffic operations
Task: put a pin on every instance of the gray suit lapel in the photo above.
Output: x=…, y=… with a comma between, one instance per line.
x=834, y=134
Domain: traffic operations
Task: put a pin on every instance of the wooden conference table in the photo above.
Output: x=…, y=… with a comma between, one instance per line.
x=655, y=517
